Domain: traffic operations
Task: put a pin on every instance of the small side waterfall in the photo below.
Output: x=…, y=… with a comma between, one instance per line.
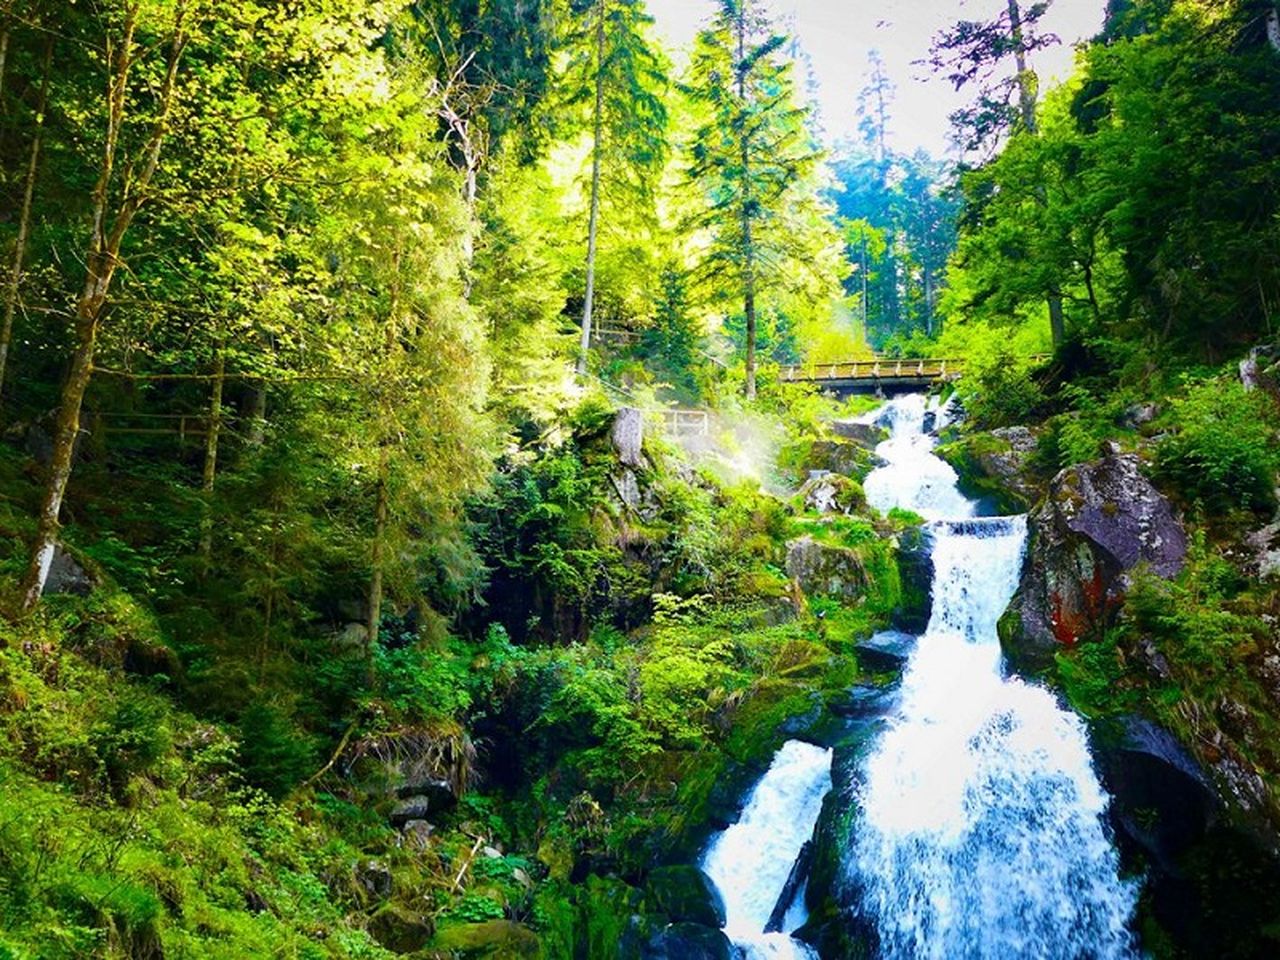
x=982, y=831
x=751, y=861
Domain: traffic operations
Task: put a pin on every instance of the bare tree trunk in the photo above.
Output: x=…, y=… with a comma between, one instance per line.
x=212, y=432
x=101, y=261
x=1057, y=321
x=24, y=218
x=1026, y=79
x=593, y=223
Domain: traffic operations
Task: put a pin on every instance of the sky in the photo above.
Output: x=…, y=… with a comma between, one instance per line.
x=838, y=36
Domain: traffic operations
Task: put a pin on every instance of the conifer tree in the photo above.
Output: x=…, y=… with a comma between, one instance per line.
x=748, y=156
x=617, y=73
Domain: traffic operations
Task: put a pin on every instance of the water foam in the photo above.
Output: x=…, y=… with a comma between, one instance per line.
x=751, y=861
x=982, y=831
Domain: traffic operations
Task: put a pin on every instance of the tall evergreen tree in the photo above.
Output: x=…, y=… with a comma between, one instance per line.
x=749, y=155
x=616, y=71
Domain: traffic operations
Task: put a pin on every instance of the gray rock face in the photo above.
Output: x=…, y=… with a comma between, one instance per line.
x=826, y=570
x=628, y=437
x=1099, y=521
x=67, y=576
x=867, y=435
x=1264, y=549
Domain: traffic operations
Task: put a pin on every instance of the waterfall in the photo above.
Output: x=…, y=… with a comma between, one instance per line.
x=914, y=479
x=751, y=861
x=981, y=831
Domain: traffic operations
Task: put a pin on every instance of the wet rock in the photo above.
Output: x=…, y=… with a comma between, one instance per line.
x=688, y=941
x=997, y=467
x=1099, y=521
x=826, y=570
x=791, y=889
x=684, y=894
x=400, y=930
x=437, y=791
x=66, y=575
x=411, y=808
x=868, y=435
x=826, y=492
x=1162, y=802
x=885, y=652
x=628, y=437
x=863, y=701
x=915, y=569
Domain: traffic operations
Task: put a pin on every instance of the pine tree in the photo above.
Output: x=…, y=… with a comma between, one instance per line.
x=619, y=74
x=749, y=156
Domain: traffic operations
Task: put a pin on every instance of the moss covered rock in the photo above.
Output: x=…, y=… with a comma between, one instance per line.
x=684, y=894
x=493, y=940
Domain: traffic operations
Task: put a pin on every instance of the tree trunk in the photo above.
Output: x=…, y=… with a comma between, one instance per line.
x=1057, y=322
x=593, y=223
x=748, y=242
x=212, y=431
x=375, y=578
x=1026, y=79
x=101, y=261
x=24, y=218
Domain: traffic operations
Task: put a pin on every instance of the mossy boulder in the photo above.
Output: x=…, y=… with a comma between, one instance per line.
x=827, y=570
x=401, y=930
x=684, y=894
x=998, y=468
x=868, y=435
x=688, y=941
x=492, y=940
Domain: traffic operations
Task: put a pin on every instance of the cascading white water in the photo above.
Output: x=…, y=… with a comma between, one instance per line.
x=914, y=479
x=981, y=832
x=751, y=861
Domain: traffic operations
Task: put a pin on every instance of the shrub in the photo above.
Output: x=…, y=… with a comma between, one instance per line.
x=999, y=390
x=1221, y=453
x=273, y=754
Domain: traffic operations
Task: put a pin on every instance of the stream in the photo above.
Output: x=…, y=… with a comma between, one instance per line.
x=981, y=830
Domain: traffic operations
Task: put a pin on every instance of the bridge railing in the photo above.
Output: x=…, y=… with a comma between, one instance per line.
x=922, y=369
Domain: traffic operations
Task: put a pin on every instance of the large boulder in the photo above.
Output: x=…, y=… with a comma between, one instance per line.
x=826, y=570
x=492, y=940
x=684, y=894
x=1098, y=523
x=1162, y=802
x=688, y=941
x=998, y=468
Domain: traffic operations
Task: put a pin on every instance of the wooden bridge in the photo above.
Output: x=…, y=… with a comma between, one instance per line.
x=875, y=376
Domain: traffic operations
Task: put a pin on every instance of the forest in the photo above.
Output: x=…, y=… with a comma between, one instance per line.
x=424, y=521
